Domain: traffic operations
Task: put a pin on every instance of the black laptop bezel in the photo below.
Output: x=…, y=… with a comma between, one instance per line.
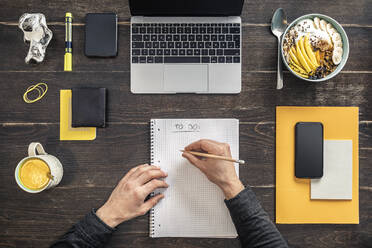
x=210, y=9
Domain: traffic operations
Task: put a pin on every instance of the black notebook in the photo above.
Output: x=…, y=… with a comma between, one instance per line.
x=101, y=34
x=88, y=107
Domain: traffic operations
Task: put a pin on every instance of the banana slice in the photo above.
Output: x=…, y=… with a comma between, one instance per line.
x=338, y=43
x=323, y=25
x=331, y=31
x=310, y=24
x=337, y=55
x=336, y=39
x=329, y=27
x=316, y=23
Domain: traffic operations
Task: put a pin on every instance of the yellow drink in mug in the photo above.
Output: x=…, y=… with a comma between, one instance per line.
x=38, y=172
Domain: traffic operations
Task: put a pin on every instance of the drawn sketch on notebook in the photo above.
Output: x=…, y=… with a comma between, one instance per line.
x=192, y=206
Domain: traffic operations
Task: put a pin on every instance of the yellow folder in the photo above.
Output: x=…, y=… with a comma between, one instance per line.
x=66, y=132
x=293, y=203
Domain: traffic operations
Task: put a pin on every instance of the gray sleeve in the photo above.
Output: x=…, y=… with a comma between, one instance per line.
x=253, y=224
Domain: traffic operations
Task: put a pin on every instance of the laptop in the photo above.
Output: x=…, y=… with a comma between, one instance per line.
x=185, y=46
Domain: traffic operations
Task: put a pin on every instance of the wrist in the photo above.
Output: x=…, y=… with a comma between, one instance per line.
x=232, y=189
x=107, y=216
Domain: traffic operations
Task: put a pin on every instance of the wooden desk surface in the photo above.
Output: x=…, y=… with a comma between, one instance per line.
x=93, y=168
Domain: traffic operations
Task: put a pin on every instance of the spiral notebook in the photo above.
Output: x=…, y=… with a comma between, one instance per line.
x=192, y=206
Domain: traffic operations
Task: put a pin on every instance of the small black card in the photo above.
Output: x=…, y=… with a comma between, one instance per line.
x=88, y=107
x=101, y=35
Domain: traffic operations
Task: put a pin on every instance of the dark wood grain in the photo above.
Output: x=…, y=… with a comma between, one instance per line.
x=87, y=183
x=92, y=168
x=127, y=146
x=135, y=232
x=256, y=12
x=256, y=102
x=258, y=42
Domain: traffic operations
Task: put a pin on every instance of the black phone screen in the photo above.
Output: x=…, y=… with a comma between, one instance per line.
x=309, y=150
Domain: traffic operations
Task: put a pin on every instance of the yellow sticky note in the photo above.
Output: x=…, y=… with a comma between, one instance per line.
x=293, y=203
x=66, y=131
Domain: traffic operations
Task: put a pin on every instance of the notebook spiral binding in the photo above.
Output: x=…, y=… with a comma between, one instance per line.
x=152, y=161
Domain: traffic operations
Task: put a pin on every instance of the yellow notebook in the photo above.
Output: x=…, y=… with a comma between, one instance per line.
x=293, y=204
x=66, y=132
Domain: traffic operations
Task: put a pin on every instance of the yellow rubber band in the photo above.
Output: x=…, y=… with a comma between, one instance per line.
x=41, y=88
x=25, y=96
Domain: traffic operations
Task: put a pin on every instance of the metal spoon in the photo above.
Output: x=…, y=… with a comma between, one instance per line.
x=278, y=26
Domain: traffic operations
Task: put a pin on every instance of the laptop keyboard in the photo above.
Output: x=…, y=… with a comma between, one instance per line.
x=185, y=42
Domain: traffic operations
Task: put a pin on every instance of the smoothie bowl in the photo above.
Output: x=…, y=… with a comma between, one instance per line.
x=315, y=47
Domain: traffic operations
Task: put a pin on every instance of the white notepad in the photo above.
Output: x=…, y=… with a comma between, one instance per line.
x=337, y=180
x=192, y=206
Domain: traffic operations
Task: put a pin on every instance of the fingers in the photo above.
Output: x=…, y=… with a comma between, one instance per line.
x=210, y=146
x=228, y=150
x=193, y=160
x=195, y=145
x=151, y=203
x=148, y=175
x=143, y=169
x=154, y=184
x=131, y=171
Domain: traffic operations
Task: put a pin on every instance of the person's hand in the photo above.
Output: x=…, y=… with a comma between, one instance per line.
x=127, y=200
x=220, y=172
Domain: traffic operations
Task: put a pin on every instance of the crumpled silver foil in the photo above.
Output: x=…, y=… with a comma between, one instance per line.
x=37, y=34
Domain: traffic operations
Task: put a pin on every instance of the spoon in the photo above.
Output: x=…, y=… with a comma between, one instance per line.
x=278, y=26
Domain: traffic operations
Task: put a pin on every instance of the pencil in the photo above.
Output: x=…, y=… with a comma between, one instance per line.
x=206, y=155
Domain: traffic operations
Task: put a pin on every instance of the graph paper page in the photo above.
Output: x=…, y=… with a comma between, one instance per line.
x=192, y=206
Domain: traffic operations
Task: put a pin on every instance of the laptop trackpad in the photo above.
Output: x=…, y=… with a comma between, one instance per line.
x=186, y=78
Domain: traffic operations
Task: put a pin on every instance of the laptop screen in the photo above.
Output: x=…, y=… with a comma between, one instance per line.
x=186, y=7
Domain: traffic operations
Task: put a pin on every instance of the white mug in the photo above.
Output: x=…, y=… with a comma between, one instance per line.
x=36, y=150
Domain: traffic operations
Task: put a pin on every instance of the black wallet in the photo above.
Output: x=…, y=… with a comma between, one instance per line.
x=88, y=107
x=101, y=35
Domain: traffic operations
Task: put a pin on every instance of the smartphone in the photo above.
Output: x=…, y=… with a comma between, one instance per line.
x=309, y=150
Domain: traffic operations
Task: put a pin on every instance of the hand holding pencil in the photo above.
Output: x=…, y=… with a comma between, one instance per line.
x=218, y=171
x=207, y=155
